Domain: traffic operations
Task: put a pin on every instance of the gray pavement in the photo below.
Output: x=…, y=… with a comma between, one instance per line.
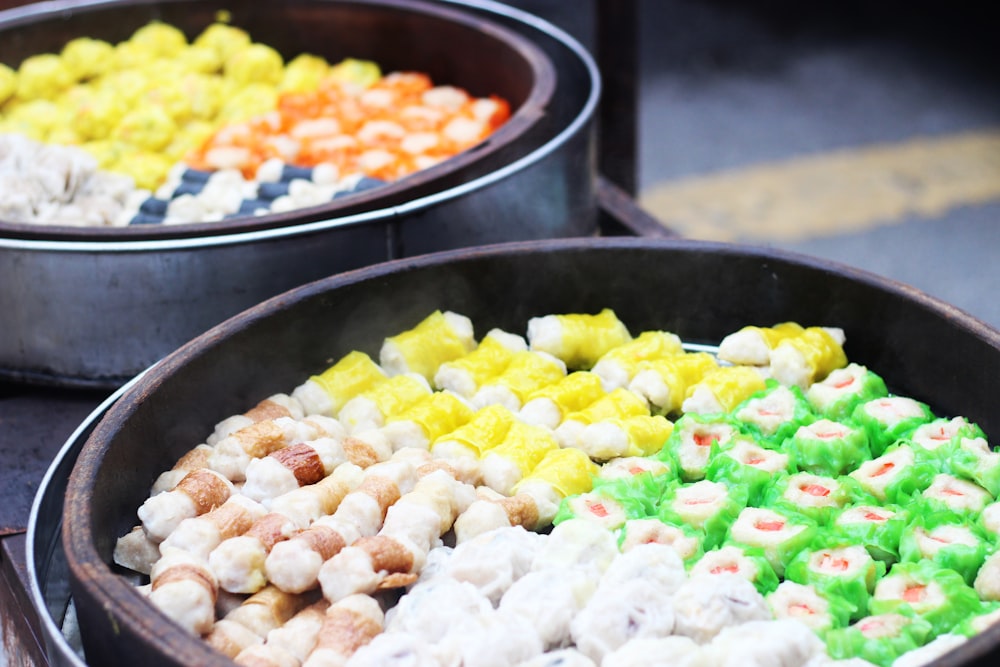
x=730, y=85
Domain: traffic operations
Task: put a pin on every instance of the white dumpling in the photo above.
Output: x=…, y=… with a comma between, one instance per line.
x=394, y=649
x=18, y=197
x=782, y=643
x=577, y=543
x=494, y=560
x=436, y=563
x=929, y=652
x=656, y=564
x=550, y=600
x=489, y=640
x=634, y=609
x=673, y=651
x=429, y=609
x=564, y=657
x=707, y=603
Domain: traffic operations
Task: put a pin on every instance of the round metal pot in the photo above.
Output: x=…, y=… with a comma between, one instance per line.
x=701, y=291
x=86, y=307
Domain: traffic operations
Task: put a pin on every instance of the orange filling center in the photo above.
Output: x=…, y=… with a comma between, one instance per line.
x=830, y=563
x=597, y=509
x=703, y=439
x=915, y=593
x=800, y=609
x=721, y=569
x=769, y=525
x=886, y=467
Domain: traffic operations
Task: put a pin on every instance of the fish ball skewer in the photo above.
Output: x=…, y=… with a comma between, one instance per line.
x=288, y=644
x=234, y=453
x=413, y=526
x=348, y=625
x=184, y=589
x=238, y=562
x=201, y=534
x=294, y=565
x=197, y=493
x=260, y=614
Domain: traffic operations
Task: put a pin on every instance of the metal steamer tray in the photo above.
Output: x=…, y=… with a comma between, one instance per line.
x=47, y=567
x=701, y=291
x=155, y=289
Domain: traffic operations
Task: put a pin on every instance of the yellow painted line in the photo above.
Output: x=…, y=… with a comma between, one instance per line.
x=833, y=193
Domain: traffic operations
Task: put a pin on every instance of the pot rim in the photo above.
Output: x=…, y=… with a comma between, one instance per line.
x=68, y=452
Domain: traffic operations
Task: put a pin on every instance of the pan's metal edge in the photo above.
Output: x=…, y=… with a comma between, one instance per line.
x=52, y=632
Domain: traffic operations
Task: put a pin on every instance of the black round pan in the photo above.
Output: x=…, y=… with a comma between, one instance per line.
x=153, y=287
x=453, y=46
x=701, y=291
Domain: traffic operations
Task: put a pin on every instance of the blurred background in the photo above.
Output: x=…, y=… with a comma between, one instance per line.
x=867, y=133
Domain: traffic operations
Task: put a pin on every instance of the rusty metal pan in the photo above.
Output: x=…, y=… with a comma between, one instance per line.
x=88, y=312
x=922, y=347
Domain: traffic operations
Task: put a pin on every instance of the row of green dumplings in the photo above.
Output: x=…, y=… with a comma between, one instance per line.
x=856, y=511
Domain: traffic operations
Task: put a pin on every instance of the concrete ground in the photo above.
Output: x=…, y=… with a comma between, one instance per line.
x=864, y=133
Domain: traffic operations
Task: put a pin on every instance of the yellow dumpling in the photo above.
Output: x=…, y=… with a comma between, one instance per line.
x=8, y=83
x=250, y=101
x=203, y=93
x=98, y=116
x=87, y=58
x=147, y=128
x=188, y=138
x=304, y=73
x=128, y=85
x=257, y=63
x=107, y=152
x=362, y=72
x=147, y=169
x=13, y=125
x=224, y=40
x=133, y=56
x=199, y=58
x=37, y=118
x=172, y=100
x=353, y=374
x=567, y=470
x=159, y=38
x=43, y=76
x=64, y=135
